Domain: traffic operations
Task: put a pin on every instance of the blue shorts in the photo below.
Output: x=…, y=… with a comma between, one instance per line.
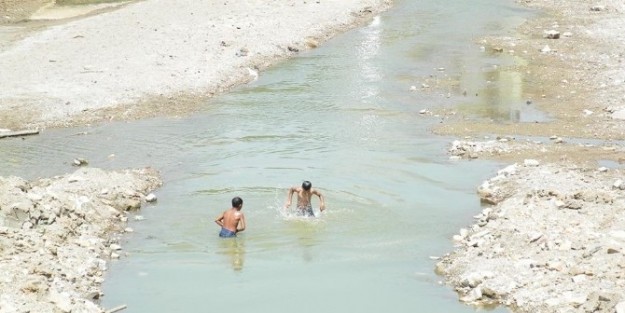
x=306, y=211
x=227, y=233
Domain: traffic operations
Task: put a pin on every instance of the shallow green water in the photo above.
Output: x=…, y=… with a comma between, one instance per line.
x=341, y=116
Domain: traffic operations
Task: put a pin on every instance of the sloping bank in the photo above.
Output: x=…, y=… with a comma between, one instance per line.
x=159, y=57
x=554, y=241
x=57, y=235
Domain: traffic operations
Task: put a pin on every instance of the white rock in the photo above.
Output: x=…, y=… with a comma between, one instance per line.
x=61, y=299
x=620, y=307
x=413, y=88
x=618, y=184
x=458, y=238
x=602, y=169
x=115, y=247
x=618, y=234
x=576, y=299
x=473, y=295
x=508, y=170
x=150, y=197
x=545, y=49
x=531, y=162
x=114, y=255
x=588, y=112
x=139, y=218
x=551, y=34
x=618, y=115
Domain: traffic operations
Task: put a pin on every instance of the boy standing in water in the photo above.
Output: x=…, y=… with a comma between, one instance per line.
x=232, y=220
x=304, y=194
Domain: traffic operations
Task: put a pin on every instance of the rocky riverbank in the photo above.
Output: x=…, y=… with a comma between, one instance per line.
x=552, y=235
x=552, y=241
x=58, y=234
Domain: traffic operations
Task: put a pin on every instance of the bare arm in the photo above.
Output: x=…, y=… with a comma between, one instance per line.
x=241, y=225
x=220, y=220
x=290, y=196
x=322, y=204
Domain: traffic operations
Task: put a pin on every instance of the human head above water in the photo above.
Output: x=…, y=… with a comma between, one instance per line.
x=306, y=185
x=237, y=202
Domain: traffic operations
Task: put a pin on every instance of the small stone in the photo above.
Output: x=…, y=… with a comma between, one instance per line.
x=618, y=184
x=242, y=52
x=114, y=255
x=413, y=88
x=620, y=307
x=150, y=197
x=613, y=251
x=27, y=225
x=115, y=247
x=139, y=218
x=597, y=8
x=602, y=169
x=79, y=162
x=545, y=49
x=312, y=43
x=531, y=162
x=552, y=34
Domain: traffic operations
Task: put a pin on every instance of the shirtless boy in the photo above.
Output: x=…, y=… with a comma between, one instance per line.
x=232, y=220
x=304, y=194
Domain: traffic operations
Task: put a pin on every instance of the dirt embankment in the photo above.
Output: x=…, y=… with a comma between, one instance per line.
x=14, y=11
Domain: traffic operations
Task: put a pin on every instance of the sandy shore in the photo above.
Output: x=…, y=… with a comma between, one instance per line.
x=158, y=56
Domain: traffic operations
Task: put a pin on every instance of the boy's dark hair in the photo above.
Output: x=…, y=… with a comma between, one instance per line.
x=306, y=185
x=237, y=202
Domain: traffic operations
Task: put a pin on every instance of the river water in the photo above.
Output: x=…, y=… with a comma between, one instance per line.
x=341, y=116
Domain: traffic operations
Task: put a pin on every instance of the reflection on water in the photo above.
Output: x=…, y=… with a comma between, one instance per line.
x=234, y=251
x=500, y=90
